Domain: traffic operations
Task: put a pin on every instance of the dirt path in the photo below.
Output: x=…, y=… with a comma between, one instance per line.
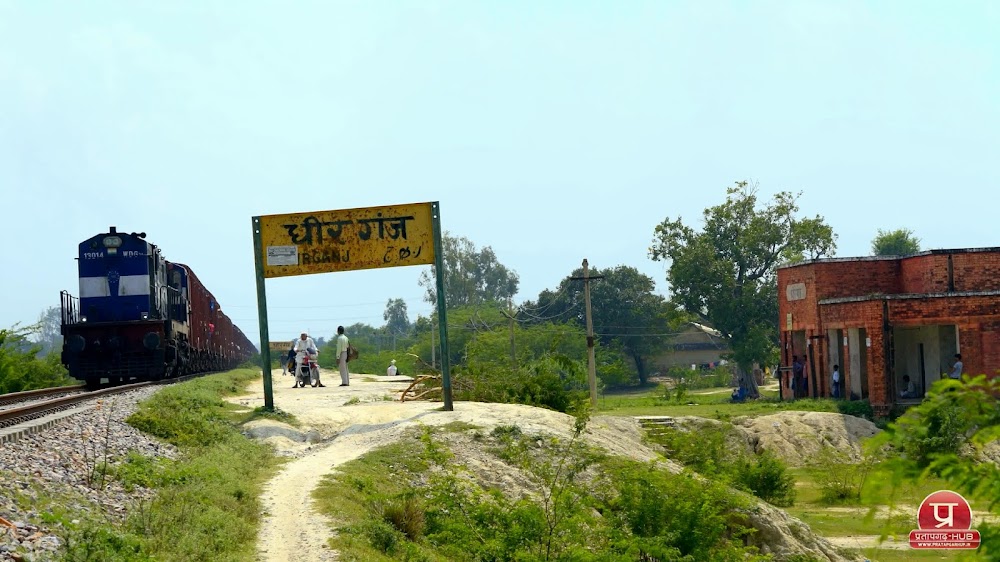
x=347, y=432
x=339, y=424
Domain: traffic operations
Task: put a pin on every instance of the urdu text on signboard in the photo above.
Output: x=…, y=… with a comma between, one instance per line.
x=347, y=239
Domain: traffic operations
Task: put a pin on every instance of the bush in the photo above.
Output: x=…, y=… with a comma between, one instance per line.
x=554, y=382
x=382, y=536
x=20, y=367
x=406, y=514
x=839, y=479
x=856, y=408
x=766, y=477
x=715, y=451
x=707, y=450
x=678, y=515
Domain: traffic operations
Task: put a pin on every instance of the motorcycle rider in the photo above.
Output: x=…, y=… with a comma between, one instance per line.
x=305, y=345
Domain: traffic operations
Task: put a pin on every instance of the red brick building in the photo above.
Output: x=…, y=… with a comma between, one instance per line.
x=880, y=318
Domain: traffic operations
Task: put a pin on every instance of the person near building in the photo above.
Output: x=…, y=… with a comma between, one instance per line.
x=956, y=369
x=911, y=389
x=798, y=377
x=836, y=381
x=342, y=343
x=391, y=371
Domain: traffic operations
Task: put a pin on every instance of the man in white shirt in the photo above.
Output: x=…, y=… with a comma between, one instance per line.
x=911, y=389
x=305, y=345
x=836, y=381
x=956, y=369
x=391, y=371
x=342, y=343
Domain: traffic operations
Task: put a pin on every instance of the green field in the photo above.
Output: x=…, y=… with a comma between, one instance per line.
x=707, y=403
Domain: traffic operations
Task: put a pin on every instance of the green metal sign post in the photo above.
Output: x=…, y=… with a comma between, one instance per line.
x=265, y=347
x=441, y=308
x=344, y=240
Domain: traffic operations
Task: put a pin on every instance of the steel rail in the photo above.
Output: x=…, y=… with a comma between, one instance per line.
x=15, y=416
x=12, y=397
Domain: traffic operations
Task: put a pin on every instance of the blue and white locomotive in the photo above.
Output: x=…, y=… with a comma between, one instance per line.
x=141, y=317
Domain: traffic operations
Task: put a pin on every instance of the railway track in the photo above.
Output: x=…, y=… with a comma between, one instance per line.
x=17, y=419
x=40, y=394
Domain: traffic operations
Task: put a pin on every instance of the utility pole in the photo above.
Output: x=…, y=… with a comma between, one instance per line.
x=591, y=362
x=510, y=316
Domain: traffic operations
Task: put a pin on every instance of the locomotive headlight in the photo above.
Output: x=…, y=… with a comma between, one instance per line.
x=112, y=241
x=83, y=319
x=145, y=316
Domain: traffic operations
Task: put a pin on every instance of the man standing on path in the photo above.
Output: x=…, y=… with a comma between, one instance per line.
x=342, y=343
x=391, y=371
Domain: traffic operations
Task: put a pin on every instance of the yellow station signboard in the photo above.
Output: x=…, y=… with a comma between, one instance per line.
x=347, y=239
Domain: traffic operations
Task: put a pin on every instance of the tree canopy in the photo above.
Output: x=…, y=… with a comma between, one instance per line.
x=726, y=273
x=471, y=276
x=899, y=242
x=397, y=320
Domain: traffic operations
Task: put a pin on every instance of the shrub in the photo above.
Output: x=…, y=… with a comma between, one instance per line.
x=714, y=450
x=766, y=477
x=840, y=479
x=382, y=536
x=20, y=367
x=706, y=450
x=554, y=382
x=406, y=514
x=856, y=408
x=678, y=515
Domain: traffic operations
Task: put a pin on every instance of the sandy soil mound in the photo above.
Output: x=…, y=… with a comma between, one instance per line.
x=354, y=420
x=796, y=437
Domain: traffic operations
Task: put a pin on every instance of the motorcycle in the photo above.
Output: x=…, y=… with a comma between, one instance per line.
x=307, y=369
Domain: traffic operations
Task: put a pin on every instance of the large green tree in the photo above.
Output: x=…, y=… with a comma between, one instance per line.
x=626, y=311
x=726, y=273
x=49, y=330
x=397, y=320
x=899, y=242
x=472, y=276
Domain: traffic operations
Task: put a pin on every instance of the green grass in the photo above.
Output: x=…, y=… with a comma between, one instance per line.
x=708, y=403
x=383, y=473
x=709, y=406
x=868, y=515
x=262, y=413
x=904, y=555
x=206, y=505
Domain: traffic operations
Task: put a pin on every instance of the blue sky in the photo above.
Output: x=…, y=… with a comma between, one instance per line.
x=551, y=131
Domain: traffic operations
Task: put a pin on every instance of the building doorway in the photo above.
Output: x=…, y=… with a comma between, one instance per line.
x=857, y=351
x=834, y=361
x=922, y=353
x=801, y=384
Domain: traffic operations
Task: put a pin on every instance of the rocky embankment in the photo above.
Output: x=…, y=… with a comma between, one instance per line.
x=62, y=467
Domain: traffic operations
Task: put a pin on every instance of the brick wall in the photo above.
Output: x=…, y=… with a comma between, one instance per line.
x=839, y=279
x=924, y=274
x=976, y=271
